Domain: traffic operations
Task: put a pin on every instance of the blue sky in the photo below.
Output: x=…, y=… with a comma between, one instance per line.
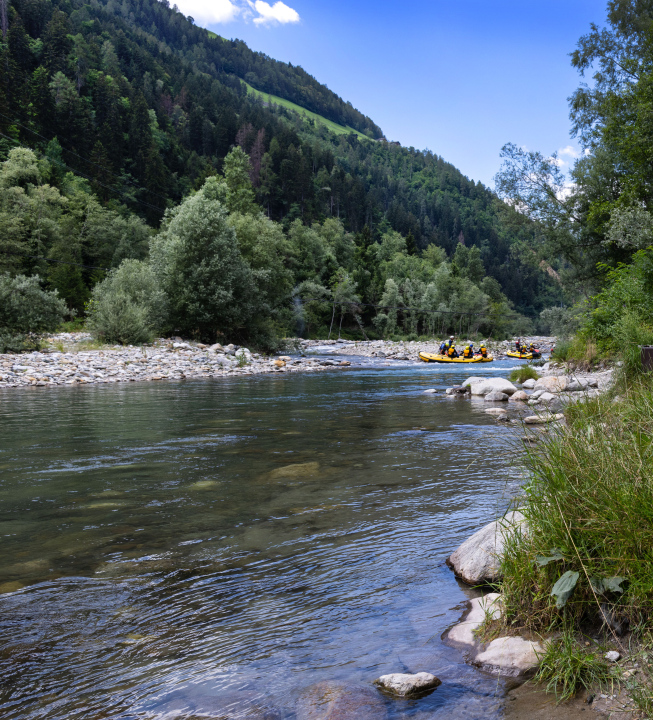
x=460, y=78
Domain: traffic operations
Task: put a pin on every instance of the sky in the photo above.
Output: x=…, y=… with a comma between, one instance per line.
x=458, y=77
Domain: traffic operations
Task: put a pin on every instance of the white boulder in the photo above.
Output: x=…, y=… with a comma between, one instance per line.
x=496, y=397
x=406, y=685
x=510, y=656
x=474, y=380
x=478, y=559
x=528, y=384
x=553, y=383
x=497, y=412
x=544, y=418
x=484, y=387
x=463, y=632
x=519, y=396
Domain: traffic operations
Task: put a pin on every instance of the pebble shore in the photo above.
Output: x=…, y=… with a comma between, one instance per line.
x=73, y=358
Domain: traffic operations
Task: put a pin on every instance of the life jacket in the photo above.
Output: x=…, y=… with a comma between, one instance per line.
x=483, y=351
x=451, y=351
x=468, y=352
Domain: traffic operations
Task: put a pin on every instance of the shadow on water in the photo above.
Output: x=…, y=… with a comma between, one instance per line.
x=213, y=548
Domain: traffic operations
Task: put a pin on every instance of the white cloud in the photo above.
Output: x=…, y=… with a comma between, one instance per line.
x=271, y=14
x=210, y=11
x=569, y=150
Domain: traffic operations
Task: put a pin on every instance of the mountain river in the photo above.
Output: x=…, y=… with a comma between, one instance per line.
x=210, y=549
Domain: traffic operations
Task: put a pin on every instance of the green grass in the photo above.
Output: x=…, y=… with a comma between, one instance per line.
x=589, y=510
x=334, y=127
x=523, y=373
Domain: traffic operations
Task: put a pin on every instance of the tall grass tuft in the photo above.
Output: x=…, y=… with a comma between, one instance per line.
x=523, y=373
x=589, y=510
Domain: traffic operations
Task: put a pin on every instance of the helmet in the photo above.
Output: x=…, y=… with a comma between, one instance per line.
x=451, y=337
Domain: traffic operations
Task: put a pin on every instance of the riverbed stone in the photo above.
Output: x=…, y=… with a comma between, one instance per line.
x=493, y=385
x=332, y=700
x=519, y=396
x=408, y=685
x=496, y=397
x=474, y=380
x=510, y=657
x=430, y=391
x=462, y=633
x=477, y=561
x=544, y=418
x=528, y=384
x=546, y=397
x=552, y=384
x=496, y=412
x=297, y=470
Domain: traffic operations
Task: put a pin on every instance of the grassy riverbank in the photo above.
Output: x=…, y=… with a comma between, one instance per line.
x=585, y=568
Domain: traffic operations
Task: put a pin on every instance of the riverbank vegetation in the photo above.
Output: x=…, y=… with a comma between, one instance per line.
x=585, y=568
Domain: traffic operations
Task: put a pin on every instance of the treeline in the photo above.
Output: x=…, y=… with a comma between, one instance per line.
x=220, y=267
x=135, y=98
x=602, y=223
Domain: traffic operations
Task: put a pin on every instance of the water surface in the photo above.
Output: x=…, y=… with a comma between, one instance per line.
x=212, y=548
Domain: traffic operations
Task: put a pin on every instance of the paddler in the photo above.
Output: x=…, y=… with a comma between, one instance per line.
x=451, y=352
x=468, y=352
x=482, y=351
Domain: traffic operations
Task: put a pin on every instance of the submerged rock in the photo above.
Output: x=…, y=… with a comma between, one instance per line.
x=496, y=397
x=331, y=700
x=430, y=391
x=298, y=470
x=406, y=685
x=478, y=559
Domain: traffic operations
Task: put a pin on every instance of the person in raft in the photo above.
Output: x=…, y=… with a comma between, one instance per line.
x=482, y=351
x=446, y=344
x=468, y=352
x=518, y=346
x=533, y=349
x=451, y=351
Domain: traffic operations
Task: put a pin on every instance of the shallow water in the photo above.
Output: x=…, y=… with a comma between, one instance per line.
x=213, y=548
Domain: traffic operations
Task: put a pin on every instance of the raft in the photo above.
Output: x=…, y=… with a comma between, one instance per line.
x=523, y=356
x=430, y=357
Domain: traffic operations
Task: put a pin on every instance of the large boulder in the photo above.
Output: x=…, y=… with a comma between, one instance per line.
x=553, y=383
x=331, y=700
x=478, y=559
x=474, y=380
x=405, y=685
x=484, y=387
x=463, y=633
x=528, y=384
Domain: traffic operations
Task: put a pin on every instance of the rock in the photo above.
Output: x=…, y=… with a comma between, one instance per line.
x=553, y=383
x=612, y=656
x=519, y=396
x=493, y=385
x=216, y=347
x=546, y=397
x=577, y=385
x=496, y=397
x=463, y=632
x=535, y=395
x=497, y=412
x=298, y=470
x=477, y=560
x=330, y=700
x=460, y=389
x=528, y=384
x=345, y=363
x=544, y=418
x=280, y=363
x=406, y=685
x=430, y=391
x=474, y=381
x=285, y=358
x=510, y=657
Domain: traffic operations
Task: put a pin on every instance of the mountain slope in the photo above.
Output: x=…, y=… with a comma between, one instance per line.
x=147, y=105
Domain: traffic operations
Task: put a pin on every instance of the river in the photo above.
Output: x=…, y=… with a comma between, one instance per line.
x=212, y=548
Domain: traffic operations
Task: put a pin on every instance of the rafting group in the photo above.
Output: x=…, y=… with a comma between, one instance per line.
x=449, y=354
x=524, y=352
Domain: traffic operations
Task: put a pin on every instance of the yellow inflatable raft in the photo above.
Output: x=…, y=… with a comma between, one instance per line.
x=523, y=356
x=430, y=357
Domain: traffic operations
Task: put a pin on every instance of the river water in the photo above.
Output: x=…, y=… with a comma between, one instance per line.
x=195, y=549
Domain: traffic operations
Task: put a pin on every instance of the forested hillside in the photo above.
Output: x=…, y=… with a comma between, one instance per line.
x=130, y=107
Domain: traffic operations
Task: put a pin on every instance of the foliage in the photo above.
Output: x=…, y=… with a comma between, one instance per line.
x=523, y=373
x=589, y=510
x=26, y=312
x=210, y=287
x=559, y=321
x=128, y=306
x=567, y=666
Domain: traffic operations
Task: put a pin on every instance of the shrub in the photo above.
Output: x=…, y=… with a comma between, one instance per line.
x=523, y=373
x=128, y=306
x=27, y=311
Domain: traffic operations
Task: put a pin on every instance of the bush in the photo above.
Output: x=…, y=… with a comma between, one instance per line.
x=128, y=306
x=523, y=373
x=27, y=311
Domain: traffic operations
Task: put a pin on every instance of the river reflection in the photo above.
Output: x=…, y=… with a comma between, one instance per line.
x=210, y=548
